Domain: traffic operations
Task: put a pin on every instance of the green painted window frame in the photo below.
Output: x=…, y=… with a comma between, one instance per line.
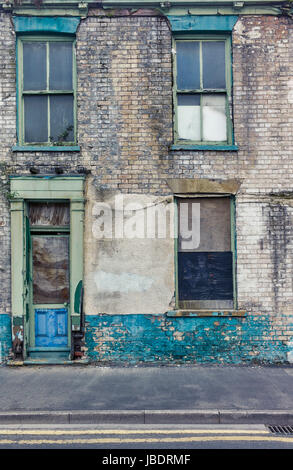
x=50, y=189
x=227, y=144
x=233, y=238
x=30, y=146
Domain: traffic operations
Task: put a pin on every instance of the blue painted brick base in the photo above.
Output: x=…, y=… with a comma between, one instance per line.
x=159, y=339
x=5, y=337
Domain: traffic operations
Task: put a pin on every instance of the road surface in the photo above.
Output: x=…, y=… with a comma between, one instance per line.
x=141, y=437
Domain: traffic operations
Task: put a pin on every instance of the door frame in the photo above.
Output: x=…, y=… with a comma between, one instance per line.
x=46, y=188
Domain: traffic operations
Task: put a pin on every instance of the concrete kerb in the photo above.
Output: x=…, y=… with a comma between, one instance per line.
x=274, y=417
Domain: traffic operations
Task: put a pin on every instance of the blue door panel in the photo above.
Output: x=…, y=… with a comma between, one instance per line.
x=51, y=327
x=42, y=324
x=61, y=324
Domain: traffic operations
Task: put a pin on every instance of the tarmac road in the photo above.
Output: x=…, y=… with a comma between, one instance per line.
x=141, y=437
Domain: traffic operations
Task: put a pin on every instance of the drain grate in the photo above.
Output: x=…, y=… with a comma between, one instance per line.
x=280, y=429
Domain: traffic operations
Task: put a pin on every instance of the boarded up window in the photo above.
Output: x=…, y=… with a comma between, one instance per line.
x=49, y=214
x=50, y=269
x=205, y=261
x=49, y=224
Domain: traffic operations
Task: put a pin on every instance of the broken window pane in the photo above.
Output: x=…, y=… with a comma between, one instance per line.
x=61, y=111
x=34, y=66
x=214, y=118
x=213, y=58
x=35, y=118
x=60, y=66
x=187, y=53
x=49, y=214
x=188, y=116
x=50, y=269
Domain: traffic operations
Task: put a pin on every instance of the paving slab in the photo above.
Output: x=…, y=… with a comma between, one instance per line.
x=61, y=388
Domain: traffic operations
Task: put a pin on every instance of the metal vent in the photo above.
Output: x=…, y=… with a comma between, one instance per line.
x=281, y=429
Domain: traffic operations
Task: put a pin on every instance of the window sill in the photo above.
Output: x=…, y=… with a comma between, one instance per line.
x=232, y=148
x=42, y=148
x=206, y=313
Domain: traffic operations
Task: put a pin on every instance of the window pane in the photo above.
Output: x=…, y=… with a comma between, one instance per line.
x=50, y=269
x=213, y=58
x=34, y=66
x=35, y=119
x=214, y=118
x=61, y=112
x=214, y=226
x=188, y=111
x=49, y=214
x=187, y=54
x=60, y=66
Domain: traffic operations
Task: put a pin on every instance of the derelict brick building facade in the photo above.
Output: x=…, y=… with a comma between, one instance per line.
x=124, y=90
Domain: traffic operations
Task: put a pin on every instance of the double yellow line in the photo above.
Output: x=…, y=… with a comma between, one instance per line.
x=60, y=432
x=189, y=436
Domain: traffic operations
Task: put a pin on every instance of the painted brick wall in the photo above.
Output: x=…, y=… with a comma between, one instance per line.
x=125, y=133
x=161, y=339
x=5, y=337
x=8, y=130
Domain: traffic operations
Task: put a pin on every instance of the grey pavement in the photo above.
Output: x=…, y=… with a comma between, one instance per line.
x=149, y=394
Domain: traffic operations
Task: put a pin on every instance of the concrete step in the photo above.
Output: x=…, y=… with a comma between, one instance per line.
x=48, y=354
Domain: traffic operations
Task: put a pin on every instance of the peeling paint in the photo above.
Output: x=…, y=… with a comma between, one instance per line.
x=17, y=333
x=278, y=224
x=254, y=33
x=5, y=337
x=141, y=339
x=178, y=336
x=290, y=352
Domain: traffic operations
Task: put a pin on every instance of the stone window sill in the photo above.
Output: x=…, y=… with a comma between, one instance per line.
x=40, y=148
x=206, y=313
x=205, y=147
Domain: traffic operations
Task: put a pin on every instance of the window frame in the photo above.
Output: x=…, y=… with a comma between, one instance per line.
x=228, y=91
x=179, y=305
x=21, y=39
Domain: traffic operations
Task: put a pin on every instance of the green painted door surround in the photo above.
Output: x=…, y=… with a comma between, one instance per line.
x=43, y=188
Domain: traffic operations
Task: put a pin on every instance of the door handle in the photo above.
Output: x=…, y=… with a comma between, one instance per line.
x=65, y=304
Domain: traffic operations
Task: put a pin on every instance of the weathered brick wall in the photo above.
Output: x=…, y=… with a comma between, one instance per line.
x=7, y=138
x=134, y=156
x=5, y=337
x=264, y=133
x=159, y=339
x=125, y=101
x=124, y=68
